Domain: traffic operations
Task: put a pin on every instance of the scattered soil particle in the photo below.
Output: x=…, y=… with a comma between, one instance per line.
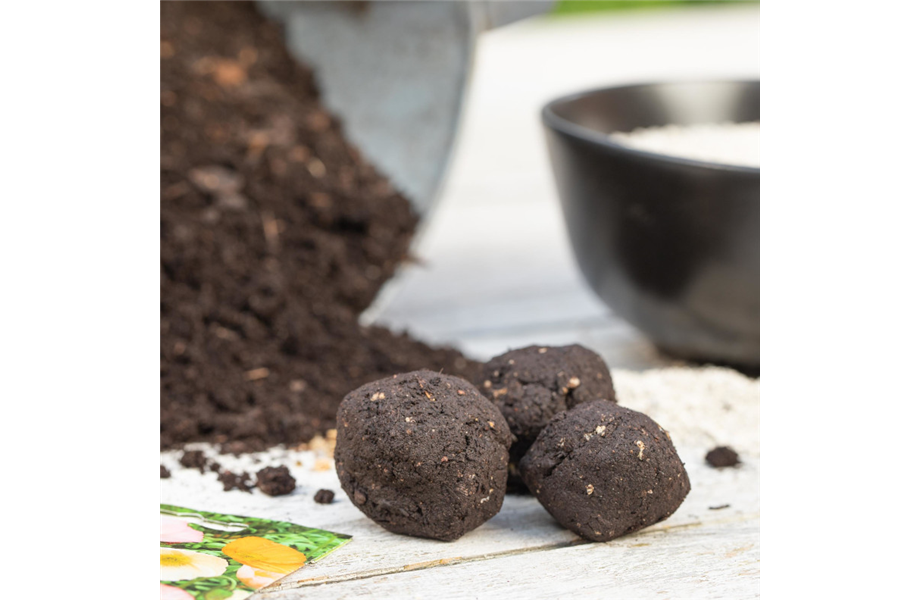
x=276, y=481
x=423, y=454
x=275, y=235
x=194, y=459
x=164, y=473
x=722, y=456
x=236, y=481
x=719, y=507
x=324, y=497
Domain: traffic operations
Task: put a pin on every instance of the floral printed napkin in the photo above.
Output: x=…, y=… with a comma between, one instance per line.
x=212, y=556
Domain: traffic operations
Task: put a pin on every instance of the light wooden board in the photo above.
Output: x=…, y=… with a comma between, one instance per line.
x=715, y=531
x=683, y=562
x=521, y=534
x=524, y=534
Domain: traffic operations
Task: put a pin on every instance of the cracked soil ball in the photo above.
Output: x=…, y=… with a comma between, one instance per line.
x=604, y=471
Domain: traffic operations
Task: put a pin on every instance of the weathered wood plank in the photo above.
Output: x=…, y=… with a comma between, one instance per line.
x=524, y=526
x=521, y=527
x=699, y=407
x=719, y=561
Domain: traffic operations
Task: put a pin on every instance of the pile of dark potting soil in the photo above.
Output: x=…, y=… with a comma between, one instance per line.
x=275, y=235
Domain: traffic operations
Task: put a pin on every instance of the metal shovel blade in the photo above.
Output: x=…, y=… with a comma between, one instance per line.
x=396, y=74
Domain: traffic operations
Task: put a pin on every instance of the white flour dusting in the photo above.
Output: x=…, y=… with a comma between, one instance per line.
x=724, y=143
x=699, y=407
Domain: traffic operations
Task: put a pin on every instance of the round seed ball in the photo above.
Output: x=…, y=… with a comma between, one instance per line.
x=604, y=471
x=530, y=385
x=423, y=454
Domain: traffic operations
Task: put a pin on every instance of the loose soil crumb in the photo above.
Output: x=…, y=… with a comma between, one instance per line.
x=722, y=456
x=236, y=481
x=275, y=481
x=324, y=497
x=275, y=235
x=164, y=473
x=194, y=459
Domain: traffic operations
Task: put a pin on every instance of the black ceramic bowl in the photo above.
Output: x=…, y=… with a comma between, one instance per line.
x=671, y=244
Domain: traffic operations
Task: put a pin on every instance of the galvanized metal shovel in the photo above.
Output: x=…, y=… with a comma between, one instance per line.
x=396, y=74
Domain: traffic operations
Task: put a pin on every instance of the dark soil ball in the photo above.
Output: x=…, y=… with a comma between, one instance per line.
x=423, y=454
x=276, y=481
x=604, y=471
x=722, y=456
x=164, y=473
x=532, y=384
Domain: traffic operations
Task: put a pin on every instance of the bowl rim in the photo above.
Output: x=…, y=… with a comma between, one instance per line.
x=552, y=120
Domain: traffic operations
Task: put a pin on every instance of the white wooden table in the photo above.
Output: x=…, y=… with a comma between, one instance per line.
x=496, y=272
x=709, y=548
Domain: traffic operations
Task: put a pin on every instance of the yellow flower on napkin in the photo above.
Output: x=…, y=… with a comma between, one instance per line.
x=265, y=555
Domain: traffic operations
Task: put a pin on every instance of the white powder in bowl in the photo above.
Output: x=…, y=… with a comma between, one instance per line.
x=775, y=144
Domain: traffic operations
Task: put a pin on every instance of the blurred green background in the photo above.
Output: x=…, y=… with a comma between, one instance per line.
x=582, y=6
x=570, y=7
